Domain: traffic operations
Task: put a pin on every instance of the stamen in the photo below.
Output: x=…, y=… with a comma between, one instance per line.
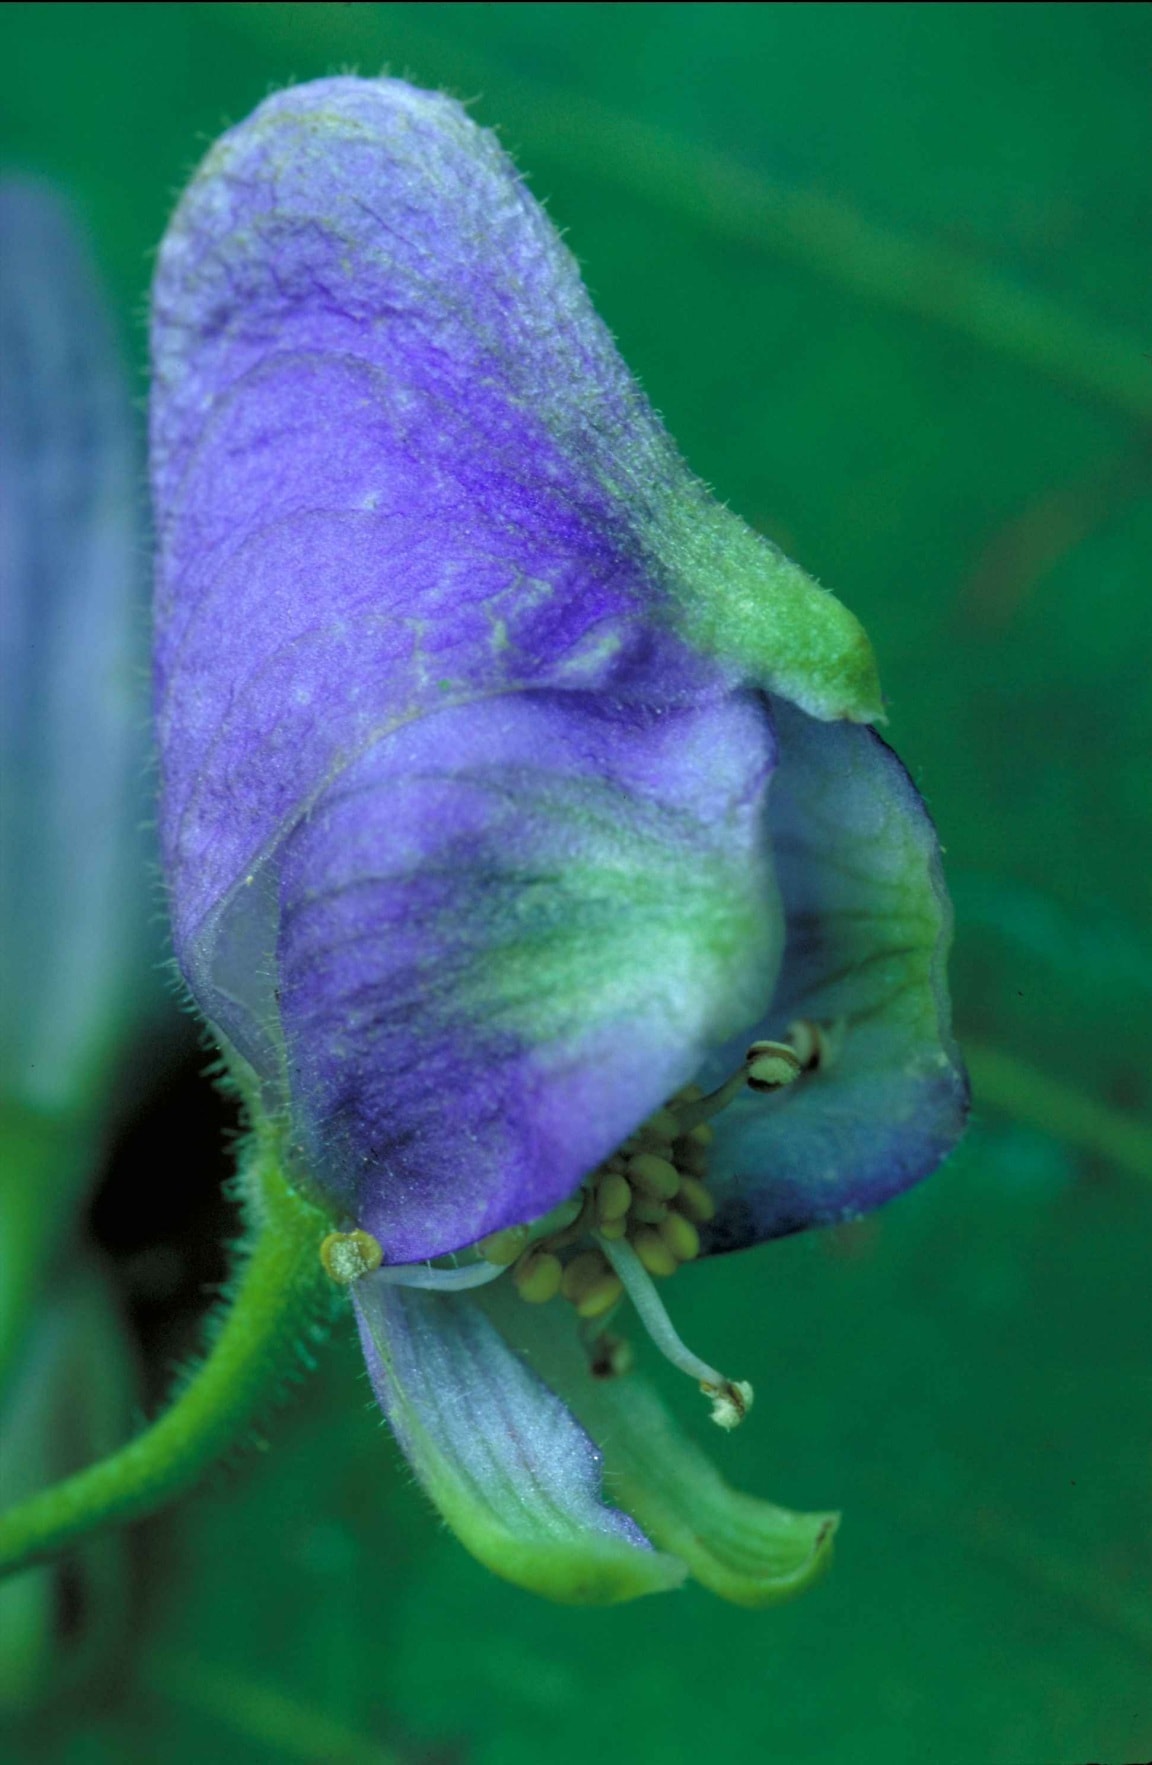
x=537, y=1276
x=505, y=1246
x=609, y=1356
x=816, y=1045
x=731, y=1399
x=771, y=1065
x=692, y=1114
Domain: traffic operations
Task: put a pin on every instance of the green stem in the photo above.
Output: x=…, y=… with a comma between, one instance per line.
x=1013, y=1086
x=279, y=1287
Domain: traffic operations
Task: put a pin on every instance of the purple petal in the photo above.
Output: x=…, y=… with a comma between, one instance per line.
x=868, y=928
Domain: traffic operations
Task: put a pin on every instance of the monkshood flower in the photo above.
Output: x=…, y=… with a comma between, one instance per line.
x=527, y=845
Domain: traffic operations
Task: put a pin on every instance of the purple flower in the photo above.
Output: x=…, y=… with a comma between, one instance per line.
x=512, y=790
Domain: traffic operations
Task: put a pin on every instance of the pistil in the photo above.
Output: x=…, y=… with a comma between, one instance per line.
x=731, y=1398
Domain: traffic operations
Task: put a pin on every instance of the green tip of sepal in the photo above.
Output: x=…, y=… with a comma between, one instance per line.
x=579, y=1570
x=507, y=1466
x=744, y=1549
x=738, y=598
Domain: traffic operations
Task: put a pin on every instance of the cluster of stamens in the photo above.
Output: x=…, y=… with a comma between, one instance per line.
x=651, y=1194
x=642, y=1209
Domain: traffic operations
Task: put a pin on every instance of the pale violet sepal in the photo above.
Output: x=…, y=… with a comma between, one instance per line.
x=74, y=883
x=869, y=928
x=510, y=1469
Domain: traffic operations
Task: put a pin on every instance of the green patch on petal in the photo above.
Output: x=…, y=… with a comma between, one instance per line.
x=741, y=600
x=510, y=1470
x=746, y=1550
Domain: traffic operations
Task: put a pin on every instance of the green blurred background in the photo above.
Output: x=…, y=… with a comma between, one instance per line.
x=885, y=270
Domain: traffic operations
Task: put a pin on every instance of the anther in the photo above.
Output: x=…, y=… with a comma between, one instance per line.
x=695, y=1201
x=591, y=1284
x=347, y=1256
x=537, y=1276
x=504, y=1247
x=731, y=1399
x=681, y=1237
x=771, y=1065
x=658, y=1179
x=812, y=1043
x=653, y=1253
x=582, y=1273
x=647, y=1213
x=601, y=1297
x=613, y=1197
x=611, y=1357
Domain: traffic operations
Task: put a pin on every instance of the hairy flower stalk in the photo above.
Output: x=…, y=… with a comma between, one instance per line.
x=527, y=845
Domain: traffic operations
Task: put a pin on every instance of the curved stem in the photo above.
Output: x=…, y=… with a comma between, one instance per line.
x=278, y=1289
x=1011, y=1085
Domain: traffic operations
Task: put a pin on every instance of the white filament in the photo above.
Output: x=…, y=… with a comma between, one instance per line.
x=639, y=1287
x=422, y=1274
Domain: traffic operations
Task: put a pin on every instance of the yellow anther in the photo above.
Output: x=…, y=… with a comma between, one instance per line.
x=770, y=1065
x=702, y=1134
x=663, y=1126
x=601, y=1297
x=583, y=1274
x=348, y=1255
x=613, y=1196
x=695, y=1201
x=504, y=1247
x=654, y=1175
x=537, y=1276
x=612, y=1357
x=649, y=1213
x=681, y=1237
x=653, y=1252
x=613, y=1229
